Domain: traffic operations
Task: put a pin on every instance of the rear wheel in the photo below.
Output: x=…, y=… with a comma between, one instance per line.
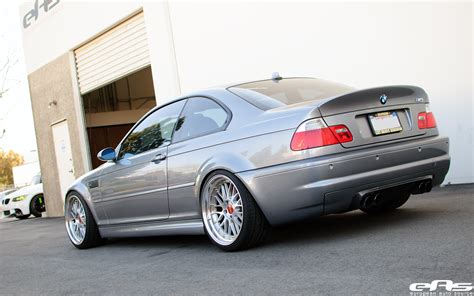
x=37, y=205
x=232, y=219
x=80, y=224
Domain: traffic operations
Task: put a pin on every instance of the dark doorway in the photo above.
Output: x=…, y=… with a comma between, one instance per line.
x=113, y=109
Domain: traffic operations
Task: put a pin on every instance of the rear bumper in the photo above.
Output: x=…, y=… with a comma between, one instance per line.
x=331, y=184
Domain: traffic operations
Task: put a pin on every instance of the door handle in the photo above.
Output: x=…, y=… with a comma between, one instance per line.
x=159, y=157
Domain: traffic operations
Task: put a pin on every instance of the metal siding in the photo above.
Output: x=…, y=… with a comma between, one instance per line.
x=113, y=55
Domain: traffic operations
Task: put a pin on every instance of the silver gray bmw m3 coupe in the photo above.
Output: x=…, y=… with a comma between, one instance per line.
x=235, y=160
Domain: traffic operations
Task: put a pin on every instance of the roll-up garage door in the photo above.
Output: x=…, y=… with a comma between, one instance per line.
x=114, y=54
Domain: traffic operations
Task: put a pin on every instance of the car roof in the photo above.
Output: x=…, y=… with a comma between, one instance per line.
x=222, y=87
x=209, y=90
x=226, y=86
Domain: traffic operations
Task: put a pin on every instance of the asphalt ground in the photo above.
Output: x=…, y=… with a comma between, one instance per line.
x=429, y=238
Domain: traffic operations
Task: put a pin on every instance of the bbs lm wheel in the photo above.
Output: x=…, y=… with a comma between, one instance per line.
x=232, y=219
x=80, y=224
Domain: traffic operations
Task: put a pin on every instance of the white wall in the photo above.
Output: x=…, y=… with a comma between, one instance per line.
x=360, y=44
x=71, y=23
x=23, y=174
x=66, y=26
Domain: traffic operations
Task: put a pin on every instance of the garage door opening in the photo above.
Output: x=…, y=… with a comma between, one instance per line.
x=110, y=111
x=115, y=81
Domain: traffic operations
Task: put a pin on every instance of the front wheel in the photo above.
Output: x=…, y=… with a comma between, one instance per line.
x=80, y=224
x=37, y=205
x=232, y=219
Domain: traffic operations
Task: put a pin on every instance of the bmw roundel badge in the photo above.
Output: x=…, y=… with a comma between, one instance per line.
x=383, y=99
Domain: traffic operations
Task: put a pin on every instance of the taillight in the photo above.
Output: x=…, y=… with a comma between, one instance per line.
x=315, y=133
x=342, y=133
x=426, y=119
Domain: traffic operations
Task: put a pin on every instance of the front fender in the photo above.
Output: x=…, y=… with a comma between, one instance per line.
x=83, y=190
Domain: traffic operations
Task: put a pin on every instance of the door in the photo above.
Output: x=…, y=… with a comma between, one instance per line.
x=62, y=150
x=201, y=117
x=118, y=52
x=134, y=188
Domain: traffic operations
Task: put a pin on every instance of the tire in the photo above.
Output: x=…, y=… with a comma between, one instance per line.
x=81, y=227
x=37, y=205
x=224, y=196
x=22, y=217
x=392, y=199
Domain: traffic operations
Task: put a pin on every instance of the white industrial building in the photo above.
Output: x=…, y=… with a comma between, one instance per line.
x=95, y=67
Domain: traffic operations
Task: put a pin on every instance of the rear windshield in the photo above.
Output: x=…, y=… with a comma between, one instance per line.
x=269, y=94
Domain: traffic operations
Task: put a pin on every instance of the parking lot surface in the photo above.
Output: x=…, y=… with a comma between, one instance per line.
x=430, y=238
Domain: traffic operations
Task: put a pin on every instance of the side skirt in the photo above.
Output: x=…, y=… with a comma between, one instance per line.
x=186, y=227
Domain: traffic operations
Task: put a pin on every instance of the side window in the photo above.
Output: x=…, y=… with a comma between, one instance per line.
x=201, y=116
x=153, y=132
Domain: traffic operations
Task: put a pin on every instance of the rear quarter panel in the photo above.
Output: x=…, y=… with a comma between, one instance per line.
x=188, y=168
x=254, y=139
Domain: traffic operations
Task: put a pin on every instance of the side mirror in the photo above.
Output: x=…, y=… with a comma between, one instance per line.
x=106, y=154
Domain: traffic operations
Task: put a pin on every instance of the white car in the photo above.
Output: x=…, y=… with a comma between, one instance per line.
x=25, y=201
x=3, y=195
x=6, y=192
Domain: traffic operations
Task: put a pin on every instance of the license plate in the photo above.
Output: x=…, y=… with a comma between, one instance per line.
x=385, y=123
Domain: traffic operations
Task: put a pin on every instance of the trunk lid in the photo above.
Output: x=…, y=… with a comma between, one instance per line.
x=372, y=114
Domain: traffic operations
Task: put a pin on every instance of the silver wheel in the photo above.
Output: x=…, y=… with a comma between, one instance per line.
x=75, y=219
x=222, y=210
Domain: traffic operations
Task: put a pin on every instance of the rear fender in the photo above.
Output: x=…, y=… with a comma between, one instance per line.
x=225, y=161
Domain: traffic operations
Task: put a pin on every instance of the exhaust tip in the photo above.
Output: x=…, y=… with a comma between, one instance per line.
x=428, y=186
x=421, y=187
x=377, y=200
x=367, y=200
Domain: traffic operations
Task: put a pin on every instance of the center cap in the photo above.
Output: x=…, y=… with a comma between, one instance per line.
x=230, y=209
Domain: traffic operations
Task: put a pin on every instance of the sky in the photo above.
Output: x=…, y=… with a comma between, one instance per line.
x=15, y=106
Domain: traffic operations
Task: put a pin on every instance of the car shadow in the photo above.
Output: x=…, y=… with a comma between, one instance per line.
x=15, y=220
x=331, y=227
x=172, y=242
x=341, y=226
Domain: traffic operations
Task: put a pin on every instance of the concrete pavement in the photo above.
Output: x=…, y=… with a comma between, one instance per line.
x=429, y=238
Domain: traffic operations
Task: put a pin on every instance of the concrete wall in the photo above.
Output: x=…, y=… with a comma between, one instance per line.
x=23, y=174
x=67, y=25
x=70, y=24
x=364, y=44
x=53, y=81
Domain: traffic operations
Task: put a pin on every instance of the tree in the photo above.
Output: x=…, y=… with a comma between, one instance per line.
x=8, y=160
x=5, y=67
x=7, y=63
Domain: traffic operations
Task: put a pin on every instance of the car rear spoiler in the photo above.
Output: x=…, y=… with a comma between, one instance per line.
x=373, y=98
